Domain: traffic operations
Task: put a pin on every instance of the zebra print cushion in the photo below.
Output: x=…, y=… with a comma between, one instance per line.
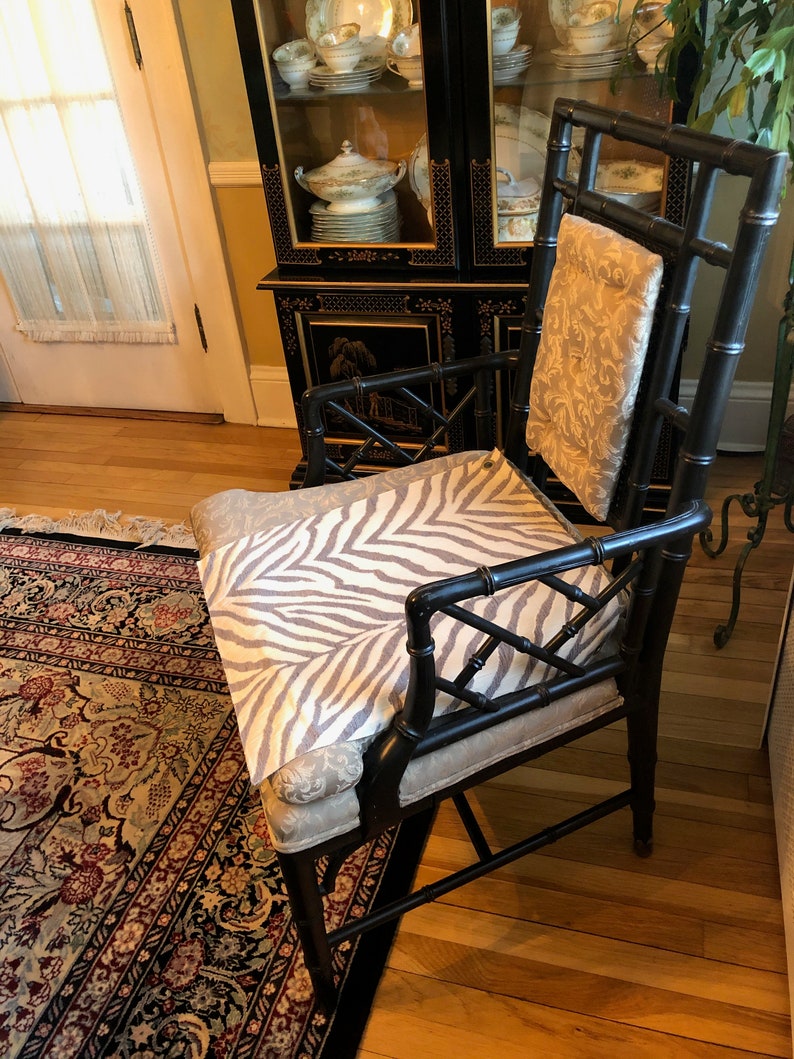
x=309, y=616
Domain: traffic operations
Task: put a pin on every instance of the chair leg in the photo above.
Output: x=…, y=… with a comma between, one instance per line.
x=306, y=905
x=642, y=727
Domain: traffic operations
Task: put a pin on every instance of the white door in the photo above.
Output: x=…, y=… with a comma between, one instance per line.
x=187, y=374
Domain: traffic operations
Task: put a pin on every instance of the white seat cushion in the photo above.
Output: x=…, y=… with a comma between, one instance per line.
x=295, y=827
x=309, y=615
x=596, y=326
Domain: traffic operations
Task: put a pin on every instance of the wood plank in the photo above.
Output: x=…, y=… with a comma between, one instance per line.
x=617, y=960
x=583, y=949
x=428, y=1018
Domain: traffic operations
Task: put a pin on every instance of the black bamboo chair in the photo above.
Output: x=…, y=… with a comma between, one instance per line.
x=395, y=639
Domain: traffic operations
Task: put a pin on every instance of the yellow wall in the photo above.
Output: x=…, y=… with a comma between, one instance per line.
x=250, y=254
x=758, y=360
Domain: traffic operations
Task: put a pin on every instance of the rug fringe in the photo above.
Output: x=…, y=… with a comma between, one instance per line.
x=103, y=524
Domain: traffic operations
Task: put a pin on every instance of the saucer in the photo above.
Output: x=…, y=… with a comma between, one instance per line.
x=367, y=71
x=378, y=224
x=569, y=59
x=516, y=57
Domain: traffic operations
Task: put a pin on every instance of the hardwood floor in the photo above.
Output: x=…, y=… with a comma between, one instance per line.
x=583, y=949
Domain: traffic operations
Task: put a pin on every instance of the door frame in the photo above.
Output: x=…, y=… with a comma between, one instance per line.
x=172, y=105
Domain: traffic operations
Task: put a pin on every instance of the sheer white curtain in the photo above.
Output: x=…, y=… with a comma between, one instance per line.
x=75, y=248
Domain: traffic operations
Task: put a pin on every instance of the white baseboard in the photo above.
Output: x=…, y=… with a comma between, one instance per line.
x=272, y=397
x=747, y=415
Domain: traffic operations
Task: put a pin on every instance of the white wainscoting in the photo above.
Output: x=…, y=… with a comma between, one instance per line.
x=272, y=397
x=746, y=418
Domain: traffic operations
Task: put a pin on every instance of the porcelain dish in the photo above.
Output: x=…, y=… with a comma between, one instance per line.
x=419, y=174
x=377, y=18
x=514, y=63
x=570, y=59
x=351, y=183
x=505, y=24
x=408, y=67
x=379, y=224
x=521, y=136
x=514, y=197
x=637, y=183
x=365, y=73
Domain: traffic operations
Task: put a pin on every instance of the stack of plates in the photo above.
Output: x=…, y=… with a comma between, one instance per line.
x=367, y=71
x=381, y=224
x=570, y=59
x=506, y=67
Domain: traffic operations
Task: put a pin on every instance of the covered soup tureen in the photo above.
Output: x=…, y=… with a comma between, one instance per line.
x=351, y=183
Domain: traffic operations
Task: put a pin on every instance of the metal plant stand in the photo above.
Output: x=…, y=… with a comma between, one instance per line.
x=776, y=486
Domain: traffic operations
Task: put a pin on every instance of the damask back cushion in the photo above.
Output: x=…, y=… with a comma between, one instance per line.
x=596, y=326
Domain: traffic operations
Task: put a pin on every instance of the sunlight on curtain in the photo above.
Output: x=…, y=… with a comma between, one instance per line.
x=75, y=248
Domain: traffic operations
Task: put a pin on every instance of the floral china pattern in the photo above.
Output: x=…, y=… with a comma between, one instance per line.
x=318, y=21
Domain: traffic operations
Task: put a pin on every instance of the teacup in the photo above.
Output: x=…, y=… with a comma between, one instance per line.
x=651, y=22
x=409, y=67
x=294, y=50
x=296, y=71
x=648, y=51
x=336, y=35
x=341, y=48
x=593, y=29
x=505, y=23
x=294, y=61
x=407, y=43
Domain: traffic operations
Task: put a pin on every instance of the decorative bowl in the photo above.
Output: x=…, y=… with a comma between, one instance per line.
x=505, y=23
x=351, y=183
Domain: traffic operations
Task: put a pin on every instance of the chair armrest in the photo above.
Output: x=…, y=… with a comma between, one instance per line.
x=661, y=550
x=330, y=396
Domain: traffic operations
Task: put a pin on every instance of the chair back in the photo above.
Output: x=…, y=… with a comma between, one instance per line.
x=683, y=248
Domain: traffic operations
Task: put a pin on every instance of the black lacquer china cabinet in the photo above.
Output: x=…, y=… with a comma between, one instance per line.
x=402, y=144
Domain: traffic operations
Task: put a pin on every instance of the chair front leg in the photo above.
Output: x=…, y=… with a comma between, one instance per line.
x=306, y=905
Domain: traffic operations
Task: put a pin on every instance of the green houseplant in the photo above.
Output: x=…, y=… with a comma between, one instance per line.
x=746, y=51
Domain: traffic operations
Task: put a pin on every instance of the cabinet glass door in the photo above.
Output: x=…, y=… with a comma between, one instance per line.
x=347, y=95
x=540, y=50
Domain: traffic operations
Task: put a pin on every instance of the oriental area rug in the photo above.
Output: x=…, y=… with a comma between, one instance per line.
x=142, y=912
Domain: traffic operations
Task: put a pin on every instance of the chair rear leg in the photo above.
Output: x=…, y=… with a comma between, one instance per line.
x=642, y=726
x=306, y=905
